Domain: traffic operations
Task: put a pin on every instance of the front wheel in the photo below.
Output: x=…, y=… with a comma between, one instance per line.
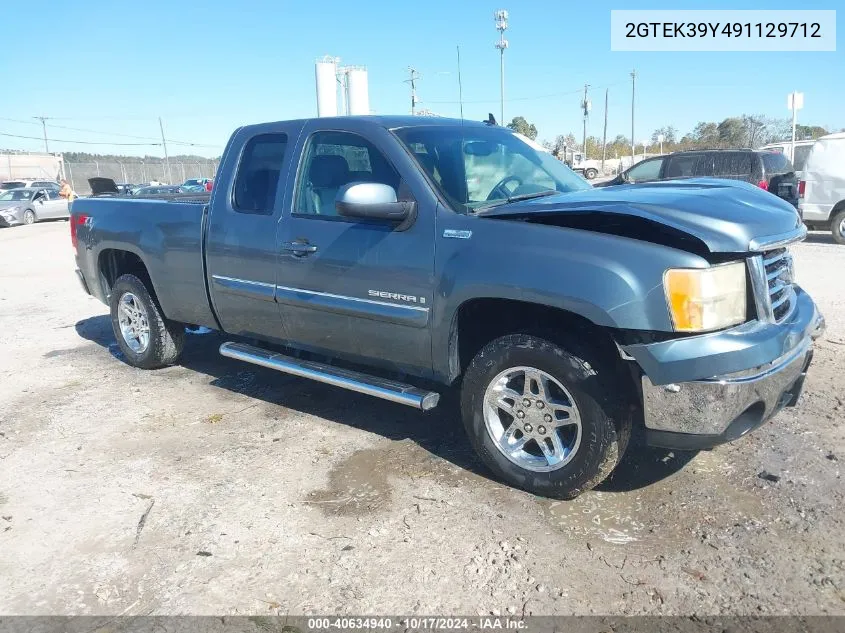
x=589, y=174
x=544, y=418
x=29, y=217
x=837, y=227
x=147, y=339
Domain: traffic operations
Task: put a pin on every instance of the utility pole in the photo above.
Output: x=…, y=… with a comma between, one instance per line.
x=585, y=105
x=414, y=76
x=166, y=159
x=43, y=120
x=604, y=133
x=633, y=98
x=501, y=18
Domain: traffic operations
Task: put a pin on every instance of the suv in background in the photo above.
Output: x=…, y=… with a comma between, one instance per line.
x=26, y=183
x=769, y=170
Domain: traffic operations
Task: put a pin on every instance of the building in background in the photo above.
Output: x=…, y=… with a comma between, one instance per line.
x=14, y=165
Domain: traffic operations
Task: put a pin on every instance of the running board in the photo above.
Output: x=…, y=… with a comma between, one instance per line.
x=352, y=380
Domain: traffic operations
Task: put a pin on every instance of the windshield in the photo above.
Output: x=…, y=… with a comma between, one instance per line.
x=12, y=184
x=480, y=167
x=192, y=181
x=17, y=194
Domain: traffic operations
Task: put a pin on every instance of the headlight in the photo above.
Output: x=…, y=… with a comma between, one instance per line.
x=705, y=299
x=10, y=211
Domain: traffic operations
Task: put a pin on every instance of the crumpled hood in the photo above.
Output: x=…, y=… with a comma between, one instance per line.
x=725, y=215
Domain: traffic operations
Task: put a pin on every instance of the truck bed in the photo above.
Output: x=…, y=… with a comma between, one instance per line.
x=166, y=231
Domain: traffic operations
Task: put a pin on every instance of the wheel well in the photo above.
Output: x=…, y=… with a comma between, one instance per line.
x=113, y=263
x=839, y=206
x=479, y=321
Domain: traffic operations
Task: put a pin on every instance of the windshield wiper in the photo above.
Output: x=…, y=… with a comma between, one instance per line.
x=530, y=196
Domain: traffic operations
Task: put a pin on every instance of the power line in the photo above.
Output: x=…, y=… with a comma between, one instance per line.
x=550, y=95
x=58, y=140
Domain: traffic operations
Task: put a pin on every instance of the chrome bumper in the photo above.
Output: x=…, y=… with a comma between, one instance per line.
x=701, y=414
x=704, y=413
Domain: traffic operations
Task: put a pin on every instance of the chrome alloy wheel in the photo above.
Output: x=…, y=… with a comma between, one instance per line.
x=842, y=227
x=134, y=325
x=532, y=419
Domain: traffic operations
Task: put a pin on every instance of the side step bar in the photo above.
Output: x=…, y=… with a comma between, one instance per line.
x=352, y=380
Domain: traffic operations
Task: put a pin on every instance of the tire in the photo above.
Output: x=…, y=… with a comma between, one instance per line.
x=591, y=173
x=29, y=217
x=837, y=227
x=589, y=384
x=131, y=306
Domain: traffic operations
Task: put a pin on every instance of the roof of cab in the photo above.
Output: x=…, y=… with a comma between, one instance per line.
x=389, y=121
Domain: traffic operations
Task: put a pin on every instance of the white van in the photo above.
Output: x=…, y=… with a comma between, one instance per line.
x=821, y=190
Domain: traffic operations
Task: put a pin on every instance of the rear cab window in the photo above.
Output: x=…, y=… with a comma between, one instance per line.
x=775, y=163
x=257, y=179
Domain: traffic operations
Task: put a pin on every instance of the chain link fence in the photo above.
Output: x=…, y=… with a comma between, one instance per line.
x=137, y=172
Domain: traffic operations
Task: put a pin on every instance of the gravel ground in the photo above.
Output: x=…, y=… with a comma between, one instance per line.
x=215, y=487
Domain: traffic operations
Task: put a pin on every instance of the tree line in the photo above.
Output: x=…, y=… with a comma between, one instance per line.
x=738, y=131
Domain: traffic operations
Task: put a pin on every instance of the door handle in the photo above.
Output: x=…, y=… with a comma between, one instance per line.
x=299, y=248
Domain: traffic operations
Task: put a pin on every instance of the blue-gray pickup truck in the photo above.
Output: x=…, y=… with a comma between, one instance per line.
x=405, y=256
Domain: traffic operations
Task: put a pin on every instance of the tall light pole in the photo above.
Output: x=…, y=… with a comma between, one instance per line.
x=501, y=18
x=633, y=97
x=795, y=101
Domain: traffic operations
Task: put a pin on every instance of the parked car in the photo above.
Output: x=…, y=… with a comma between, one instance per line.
x=193, y=188
x=30, y=183
x=29, y=205
x=564, y=314
x=206, y=183
x=768, y=170
x=822, y=190
x=156, y=190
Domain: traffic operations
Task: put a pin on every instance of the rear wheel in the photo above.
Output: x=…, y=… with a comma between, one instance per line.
x=837, y=227
x=29, y=217
x=544, y=418
x=147, y=339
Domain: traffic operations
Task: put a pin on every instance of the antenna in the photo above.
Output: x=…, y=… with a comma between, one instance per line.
x=460, y=85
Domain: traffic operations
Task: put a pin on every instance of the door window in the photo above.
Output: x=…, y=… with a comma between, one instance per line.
x=732, y=164
x=688, y=166
x=335, y=159
x=258, y=174
x=646, y=170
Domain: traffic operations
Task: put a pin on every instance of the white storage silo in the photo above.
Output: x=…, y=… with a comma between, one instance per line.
x=326, y=73
x=357, y=91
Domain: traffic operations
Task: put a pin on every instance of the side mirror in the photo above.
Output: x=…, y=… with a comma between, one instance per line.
x=372, y=200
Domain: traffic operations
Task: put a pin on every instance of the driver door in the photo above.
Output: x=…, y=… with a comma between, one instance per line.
x=348, y=287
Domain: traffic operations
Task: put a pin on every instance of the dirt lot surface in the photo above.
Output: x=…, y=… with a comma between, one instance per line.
x=216, y=487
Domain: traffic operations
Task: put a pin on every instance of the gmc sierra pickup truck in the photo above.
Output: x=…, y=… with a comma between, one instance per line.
x=404, y=256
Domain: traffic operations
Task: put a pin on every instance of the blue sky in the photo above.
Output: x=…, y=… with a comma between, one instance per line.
x=206, y=67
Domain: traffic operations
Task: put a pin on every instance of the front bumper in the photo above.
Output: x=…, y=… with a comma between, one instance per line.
x=710, y=389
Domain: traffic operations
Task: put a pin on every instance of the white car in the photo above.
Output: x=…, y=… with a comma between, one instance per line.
x=821, y=190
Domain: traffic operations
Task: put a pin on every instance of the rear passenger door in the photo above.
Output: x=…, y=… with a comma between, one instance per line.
x=349, y=287
x=242, y=242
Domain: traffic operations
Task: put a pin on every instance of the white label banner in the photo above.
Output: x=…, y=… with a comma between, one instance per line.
x=723, y=30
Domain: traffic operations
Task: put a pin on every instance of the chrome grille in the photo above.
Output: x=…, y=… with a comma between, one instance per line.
x=780, y=280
